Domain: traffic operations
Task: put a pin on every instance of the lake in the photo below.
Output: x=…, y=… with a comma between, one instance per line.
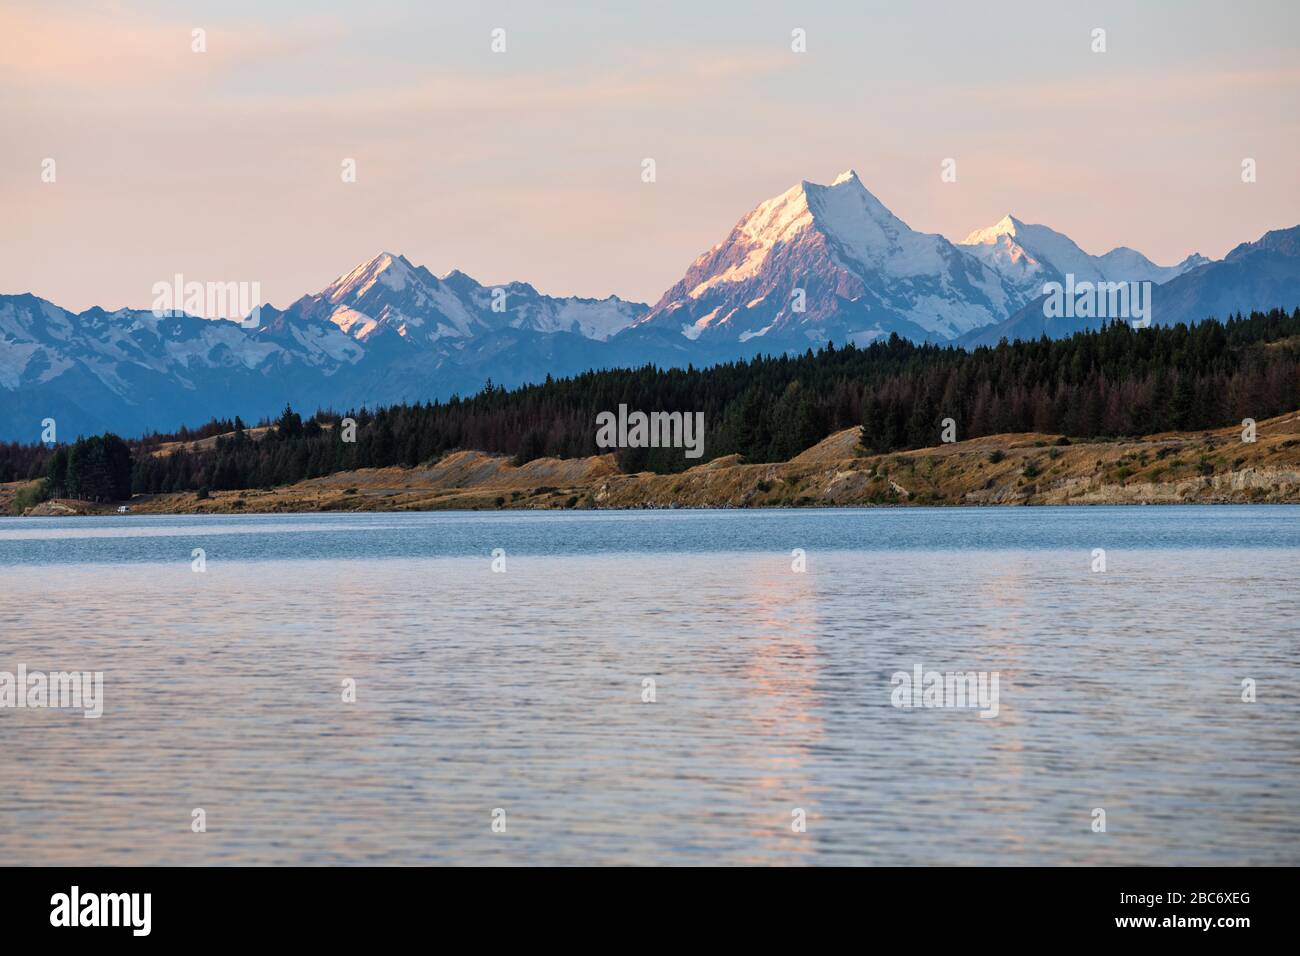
x=504, y=716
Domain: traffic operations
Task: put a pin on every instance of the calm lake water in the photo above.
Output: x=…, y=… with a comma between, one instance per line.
x=523, y=691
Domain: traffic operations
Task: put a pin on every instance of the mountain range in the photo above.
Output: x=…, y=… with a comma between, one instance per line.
x=816, y=264
x=1255, y=275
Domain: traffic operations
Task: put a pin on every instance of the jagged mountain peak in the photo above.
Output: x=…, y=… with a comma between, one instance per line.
x=864, y=229
x=387, y=269
x=1021, y=232
x=457, y=275
x=1008, y=225
x=854, y=268
x=845, y=213
x=1027, y=254
x=388, y=298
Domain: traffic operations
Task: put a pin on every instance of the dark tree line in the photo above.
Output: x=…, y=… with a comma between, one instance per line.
x=1109, y=383
x=91, y=469
x=1115, y=382
x=20, y=462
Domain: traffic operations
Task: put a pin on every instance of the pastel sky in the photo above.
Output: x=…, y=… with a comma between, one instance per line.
x=225, y=165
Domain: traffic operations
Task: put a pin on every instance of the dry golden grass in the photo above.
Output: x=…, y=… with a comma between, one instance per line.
x=1030, y=468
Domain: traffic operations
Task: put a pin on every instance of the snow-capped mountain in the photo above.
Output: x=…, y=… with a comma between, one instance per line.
x=389, y=295
x=130, y=371
x=1030, y=255
x=820, y=263
x=1260, y=275
x=387, y=331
